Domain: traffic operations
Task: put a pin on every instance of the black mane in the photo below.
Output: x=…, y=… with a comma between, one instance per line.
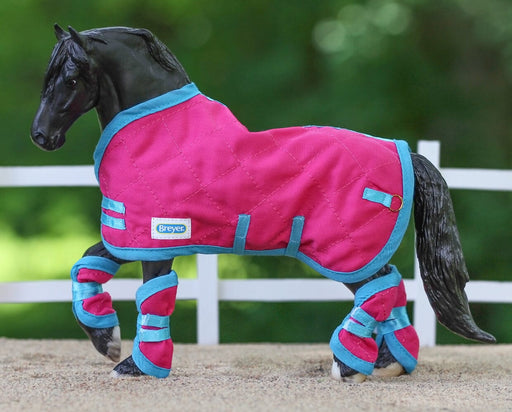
x=157, y=50
x=65, y=49
x=68, y=49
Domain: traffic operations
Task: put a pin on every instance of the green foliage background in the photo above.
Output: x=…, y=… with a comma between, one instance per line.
x=409, y=69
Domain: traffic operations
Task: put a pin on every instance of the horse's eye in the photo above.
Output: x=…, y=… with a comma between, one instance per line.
x=71, y=83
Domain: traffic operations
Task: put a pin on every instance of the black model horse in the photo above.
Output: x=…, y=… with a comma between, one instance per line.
x=146, y=104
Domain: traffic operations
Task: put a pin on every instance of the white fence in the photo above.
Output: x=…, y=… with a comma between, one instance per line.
x=207, y=289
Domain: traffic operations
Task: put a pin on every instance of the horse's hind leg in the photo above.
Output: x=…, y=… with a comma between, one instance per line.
x=397, y=340
x=152, y=346
x=355, y=351
x=93, y=307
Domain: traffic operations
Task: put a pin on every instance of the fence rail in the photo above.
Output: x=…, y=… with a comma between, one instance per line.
x=207, y=289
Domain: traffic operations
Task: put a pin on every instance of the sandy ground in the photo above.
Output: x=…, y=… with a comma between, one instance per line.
x=50, y=375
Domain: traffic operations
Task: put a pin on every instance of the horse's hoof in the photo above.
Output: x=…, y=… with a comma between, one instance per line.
x=107, y=341
x=390, y=371
x=127, y=368
x=114, y=346
x=386, y=365
x=348, y=375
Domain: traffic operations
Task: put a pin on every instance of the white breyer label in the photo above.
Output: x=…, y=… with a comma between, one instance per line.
x=170, y=228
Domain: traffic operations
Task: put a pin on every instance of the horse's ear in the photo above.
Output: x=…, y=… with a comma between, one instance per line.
x=78, y=38
x=59, y=32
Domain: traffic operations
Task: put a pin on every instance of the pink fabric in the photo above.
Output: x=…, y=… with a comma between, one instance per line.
x=93, y=275
x=195, y=160
x=162, y=304
x=409, y=340
x=379, y=307
x=364, y=348
x=100, y=304
x=159, y=353
x=406, y=336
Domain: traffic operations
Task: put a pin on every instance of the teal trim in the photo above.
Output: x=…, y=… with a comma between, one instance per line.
x=113, y=205
x=242, y=228
x=401, y=354
x=377, y=197
x=349, y=359
x=407, y=195
x=113, y=222
x=382, y=258
x=155, y=254
x=295, y=236
x=145, y=365
x=94, y=263
x=155, y=285
x=122, y=119
x=94, y=321
x=377, y=285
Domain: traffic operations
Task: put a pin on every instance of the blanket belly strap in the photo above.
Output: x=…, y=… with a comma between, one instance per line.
x=295, y=236
x=241, y=234
x=242, y=229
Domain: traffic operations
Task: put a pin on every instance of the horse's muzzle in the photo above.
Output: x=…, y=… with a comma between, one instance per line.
x=48, y=143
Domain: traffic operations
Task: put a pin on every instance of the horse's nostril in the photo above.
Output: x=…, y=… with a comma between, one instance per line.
x=47, y=143
x=39, y=138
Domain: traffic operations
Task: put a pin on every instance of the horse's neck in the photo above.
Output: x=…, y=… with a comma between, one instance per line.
x=126, y=81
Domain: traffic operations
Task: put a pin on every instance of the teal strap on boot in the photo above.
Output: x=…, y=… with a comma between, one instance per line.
x=85, y=290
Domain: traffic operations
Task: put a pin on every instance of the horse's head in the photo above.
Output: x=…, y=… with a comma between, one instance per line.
x=111, y=69
x=70, y=89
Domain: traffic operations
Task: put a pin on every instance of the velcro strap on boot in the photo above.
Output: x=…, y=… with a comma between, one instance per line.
x=360, y=323
x=161, y=332
x=398, y=319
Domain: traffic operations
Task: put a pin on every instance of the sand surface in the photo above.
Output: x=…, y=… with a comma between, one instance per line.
x=68, y=375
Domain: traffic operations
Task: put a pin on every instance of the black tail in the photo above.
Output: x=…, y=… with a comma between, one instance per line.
x=442, y=265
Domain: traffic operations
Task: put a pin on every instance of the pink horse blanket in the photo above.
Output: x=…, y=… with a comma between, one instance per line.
x=181, y=175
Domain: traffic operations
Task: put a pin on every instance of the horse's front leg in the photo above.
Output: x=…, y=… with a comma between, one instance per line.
x=93, y=307
x=152, y=346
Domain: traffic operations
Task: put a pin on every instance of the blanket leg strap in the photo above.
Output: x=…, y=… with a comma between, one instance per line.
x=352, y=341
x=91, y=306
x=399, y=335
x=153, y=346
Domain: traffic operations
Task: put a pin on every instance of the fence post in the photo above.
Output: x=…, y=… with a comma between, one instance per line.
x=424, y=318
x=207, y=300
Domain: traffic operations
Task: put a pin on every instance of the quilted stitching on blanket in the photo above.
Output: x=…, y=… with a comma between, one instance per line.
x=185, y=162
